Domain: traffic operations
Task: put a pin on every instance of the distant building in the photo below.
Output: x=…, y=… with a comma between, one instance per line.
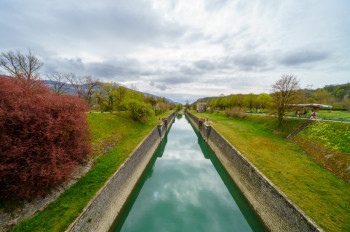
x=201, y=106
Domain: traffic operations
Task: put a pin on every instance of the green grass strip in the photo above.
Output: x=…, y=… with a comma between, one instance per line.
x=342, y=115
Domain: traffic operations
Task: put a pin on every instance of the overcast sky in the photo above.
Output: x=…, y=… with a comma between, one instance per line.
x=184, y=49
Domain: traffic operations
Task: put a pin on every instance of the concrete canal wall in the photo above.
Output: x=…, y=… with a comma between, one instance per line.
x=275, y=209
x=102, y=210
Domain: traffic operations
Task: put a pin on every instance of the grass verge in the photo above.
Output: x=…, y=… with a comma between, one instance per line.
x=58, y=215
x=334, y=135
x=320, y=194
x=342, y=115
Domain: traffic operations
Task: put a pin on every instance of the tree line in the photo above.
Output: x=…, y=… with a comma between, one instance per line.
x=338, y=96
x=109, y=96
x=249, y=101
x=285, y=91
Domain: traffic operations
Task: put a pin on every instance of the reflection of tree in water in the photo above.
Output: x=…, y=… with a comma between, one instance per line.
x=161, y=148
x=179, y=116
x=158, y=153
x=204, y=147
x=150, y=173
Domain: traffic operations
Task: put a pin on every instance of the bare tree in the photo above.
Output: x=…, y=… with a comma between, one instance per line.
x=285, y=91
x=58, y=81
x=91, y=84
x=16, y=63
x=77, y=84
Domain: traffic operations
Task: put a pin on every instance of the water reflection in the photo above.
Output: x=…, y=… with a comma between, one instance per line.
x=186, y=192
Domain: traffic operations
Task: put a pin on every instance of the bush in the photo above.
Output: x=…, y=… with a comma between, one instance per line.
x=139, y=110
x=160, y=108
x=43, y=137
x=235, y=112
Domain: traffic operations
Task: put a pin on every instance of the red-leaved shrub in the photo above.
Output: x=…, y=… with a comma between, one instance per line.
x=43, y=137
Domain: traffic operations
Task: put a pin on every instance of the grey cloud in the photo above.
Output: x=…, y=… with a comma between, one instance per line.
x=67, y=22
x=189, y=70
x=301, y=57
x=117, y=69
x=243, y=62
x=194, y=35
x=174, y=79
x=205, y=65
x=161, y=87
x=229, y=38
x=249, y=61
x=64, y=65
x=121, y=69
x=211, y=5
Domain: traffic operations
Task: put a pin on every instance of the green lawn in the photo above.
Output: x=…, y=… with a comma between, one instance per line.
x=320, y=194
x=342, y=115
x=61, y=212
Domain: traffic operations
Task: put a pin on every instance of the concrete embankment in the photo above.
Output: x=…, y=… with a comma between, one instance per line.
x=275, y=209
x=102, y=210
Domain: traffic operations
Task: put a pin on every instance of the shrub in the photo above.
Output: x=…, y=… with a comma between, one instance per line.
x=160, y=108
x=139, y=110
x=43, y=137
x=235, y=112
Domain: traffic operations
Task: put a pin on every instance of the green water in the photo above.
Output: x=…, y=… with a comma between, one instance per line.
x=185, y=188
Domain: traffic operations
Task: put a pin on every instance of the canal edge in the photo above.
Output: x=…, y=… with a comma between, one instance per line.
x=275, y=209
x=104, y=207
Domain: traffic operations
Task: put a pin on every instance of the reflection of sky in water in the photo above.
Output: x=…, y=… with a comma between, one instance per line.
x=184, y=191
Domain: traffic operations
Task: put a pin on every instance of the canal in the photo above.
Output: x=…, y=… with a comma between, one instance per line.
x=185, y=188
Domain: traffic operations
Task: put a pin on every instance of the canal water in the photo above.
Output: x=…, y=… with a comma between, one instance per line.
x=185, y=188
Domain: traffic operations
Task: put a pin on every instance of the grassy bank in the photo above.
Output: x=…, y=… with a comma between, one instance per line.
x=333, y=135
x=342, y=115
x=320, y=194
x=61, y=212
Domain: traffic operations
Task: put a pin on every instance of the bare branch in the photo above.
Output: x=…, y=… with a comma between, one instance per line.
x=77, y=84
x=285, y=91
x=17, y=63
x=91, y=84
x=58, y=81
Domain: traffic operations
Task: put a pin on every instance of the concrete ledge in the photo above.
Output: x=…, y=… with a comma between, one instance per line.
x=275, y=209
x=101, y=211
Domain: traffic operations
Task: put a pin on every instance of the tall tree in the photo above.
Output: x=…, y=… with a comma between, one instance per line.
x=249, y=100
x=264, y=100
x=16, y=63
x=91, y=84
x=233, y=101
x=285, y=91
